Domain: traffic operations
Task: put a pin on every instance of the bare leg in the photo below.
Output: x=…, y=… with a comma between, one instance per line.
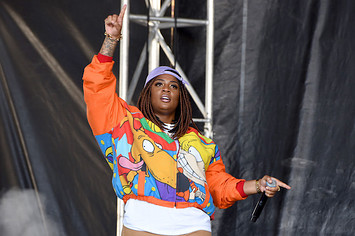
x=199, y=233
x=130, y=232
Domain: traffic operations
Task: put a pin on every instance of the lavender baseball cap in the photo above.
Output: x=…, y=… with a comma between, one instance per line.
x=162, y=70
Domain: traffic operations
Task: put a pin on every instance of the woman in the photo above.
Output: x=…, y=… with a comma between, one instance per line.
x=169, y=175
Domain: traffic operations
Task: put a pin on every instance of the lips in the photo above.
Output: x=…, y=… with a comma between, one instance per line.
x=165, y=98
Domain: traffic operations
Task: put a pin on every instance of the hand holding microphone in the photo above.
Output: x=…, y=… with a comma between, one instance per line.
x=261, y=203
x=266, y=194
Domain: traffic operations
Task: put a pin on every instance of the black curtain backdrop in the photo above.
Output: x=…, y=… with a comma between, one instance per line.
x=283, y=105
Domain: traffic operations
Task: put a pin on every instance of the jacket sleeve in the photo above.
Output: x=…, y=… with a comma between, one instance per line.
x=222, y=186
x=104, y=108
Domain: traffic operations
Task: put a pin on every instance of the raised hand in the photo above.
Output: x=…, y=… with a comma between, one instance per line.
x=113, y=27
x=113, y=24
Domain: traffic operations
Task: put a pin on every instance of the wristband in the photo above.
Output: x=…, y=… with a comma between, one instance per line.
x=113, y=38
x=240, y=189
x=257, y=186
x=103, y=58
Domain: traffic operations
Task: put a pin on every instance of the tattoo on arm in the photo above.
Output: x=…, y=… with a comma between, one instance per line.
x=108, y=47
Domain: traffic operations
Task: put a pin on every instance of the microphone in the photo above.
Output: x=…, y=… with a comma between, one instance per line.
x=261, y=203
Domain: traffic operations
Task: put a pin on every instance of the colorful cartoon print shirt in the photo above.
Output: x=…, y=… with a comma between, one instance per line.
x=147, y=164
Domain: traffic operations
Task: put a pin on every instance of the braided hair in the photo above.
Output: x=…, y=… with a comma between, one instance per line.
x=183, y=112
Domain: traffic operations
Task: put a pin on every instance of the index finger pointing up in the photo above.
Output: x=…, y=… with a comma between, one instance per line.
x=122, y=12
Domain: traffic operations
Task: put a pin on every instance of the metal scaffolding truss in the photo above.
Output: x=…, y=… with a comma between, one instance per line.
x=157, y=21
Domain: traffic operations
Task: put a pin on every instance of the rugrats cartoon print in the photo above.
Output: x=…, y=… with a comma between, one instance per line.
x=192, y=167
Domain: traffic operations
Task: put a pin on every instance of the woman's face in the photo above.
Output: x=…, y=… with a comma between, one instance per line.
x=165, y=94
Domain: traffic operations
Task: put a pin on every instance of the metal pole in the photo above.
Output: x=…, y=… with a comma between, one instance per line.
x=209, y=68
x=154, y=47
x=180, y=21
x=124, y=50
x=136, y=74
x=122, y=90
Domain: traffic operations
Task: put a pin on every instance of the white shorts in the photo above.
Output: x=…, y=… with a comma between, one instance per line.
x=144, y=216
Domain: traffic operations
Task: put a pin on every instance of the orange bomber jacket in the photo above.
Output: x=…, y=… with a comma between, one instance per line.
x=147, y=164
